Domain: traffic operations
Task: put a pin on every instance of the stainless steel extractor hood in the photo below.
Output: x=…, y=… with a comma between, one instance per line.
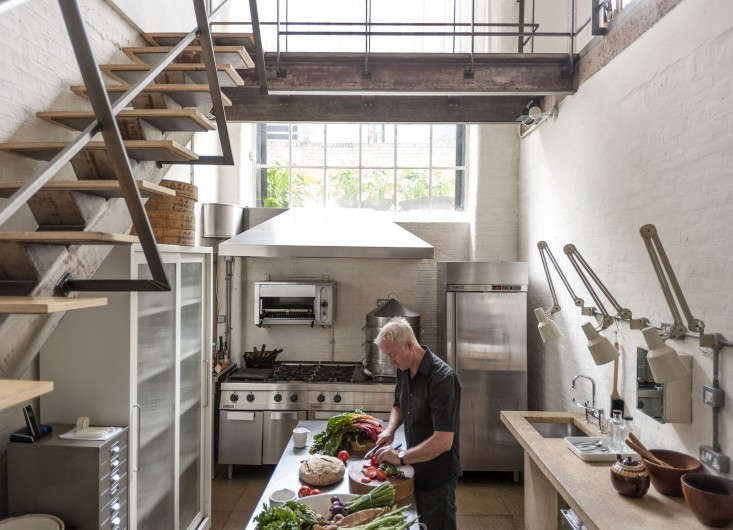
x=327, y=233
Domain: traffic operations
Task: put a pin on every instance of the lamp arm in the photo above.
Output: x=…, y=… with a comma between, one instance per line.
x=571, y=251
x=661, y=265
x=544, y=249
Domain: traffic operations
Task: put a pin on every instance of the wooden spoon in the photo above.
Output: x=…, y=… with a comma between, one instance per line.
x=639, y=447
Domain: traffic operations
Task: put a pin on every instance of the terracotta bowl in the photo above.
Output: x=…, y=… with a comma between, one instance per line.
x=709, y=497
x=666, y=480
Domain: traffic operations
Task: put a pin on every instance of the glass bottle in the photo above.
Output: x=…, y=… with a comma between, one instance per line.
x=618, y=432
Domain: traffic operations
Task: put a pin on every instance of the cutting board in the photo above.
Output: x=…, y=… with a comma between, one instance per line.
x=403, y=487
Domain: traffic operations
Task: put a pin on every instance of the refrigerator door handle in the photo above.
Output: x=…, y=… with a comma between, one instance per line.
x=450, y=332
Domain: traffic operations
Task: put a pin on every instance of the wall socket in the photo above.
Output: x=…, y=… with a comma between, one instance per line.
x=221, y=319
x=715, y=397
x=712, y=458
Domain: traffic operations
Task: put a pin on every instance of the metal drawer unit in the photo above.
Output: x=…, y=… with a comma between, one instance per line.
x=84, y=483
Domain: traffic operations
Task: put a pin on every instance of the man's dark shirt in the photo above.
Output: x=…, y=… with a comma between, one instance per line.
x=430, y=402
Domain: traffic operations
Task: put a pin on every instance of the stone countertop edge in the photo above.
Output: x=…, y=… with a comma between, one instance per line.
x=586, y=486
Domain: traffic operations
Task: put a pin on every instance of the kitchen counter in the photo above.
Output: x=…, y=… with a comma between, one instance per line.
x=285, y=474
x=551, y=471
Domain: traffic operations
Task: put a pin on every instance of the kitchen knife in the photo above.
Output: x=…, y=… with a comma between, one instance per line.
x=373, y=449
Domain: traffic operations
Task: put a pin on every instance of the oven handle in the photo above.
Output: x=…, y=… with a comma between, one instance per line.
x=277, y=415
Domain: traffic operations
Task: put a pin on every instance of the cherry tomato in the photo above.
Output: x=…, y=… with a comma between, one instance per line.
x=373, y=461
x=343, y=456
x=315, y=491
x=366, y=480
x=371, y=472
x=304, y=491
x=381, y=475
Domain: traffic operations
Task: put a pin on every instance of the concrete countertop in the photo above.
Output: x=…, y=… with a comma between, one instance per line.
x=586, y=486
x=285, y=474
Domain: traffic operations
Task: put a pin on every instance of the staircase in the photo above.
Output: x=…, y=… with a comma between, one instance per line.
x=169, y=91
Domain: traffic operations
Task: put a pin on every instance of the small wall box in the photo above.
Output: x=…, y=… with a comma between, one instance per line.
x=669, y=402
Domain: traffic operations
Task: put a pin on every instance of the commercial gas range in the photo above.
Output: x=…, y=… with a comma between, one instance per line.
x=260, y=408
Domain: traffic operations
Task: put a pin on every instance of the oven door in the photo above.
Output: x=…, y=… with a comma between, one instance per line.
x=277, y=428
x=240, y=437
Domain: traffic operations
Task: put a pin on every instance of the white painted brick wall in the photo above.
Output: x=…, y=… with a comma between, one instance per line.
x=646, y=140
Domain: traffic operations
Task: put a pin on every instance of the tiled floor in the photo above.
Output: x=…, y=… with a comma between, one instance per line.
x=486, y=501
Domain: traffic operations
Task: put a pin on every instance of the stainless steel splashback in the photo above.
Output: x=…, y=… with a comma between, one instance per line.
x=486, y=273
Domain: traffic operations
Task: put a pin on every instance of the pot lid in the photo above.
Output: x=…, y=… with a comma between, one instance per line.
x=392, y=308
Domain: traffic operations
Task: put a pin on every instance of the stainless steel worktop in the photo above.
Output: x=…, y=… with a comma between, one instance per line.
x=286, y=472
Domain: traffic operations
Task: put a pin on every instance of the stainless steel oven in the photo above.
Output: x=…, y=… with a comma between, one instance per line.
x=277, y=428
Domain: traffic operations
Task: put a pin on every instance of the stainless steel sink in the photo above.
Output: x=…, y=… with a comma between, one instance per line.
x=556, y=430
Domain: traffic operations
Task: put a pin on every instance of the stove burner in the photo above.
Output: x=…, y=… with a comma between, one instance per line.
x=314, y=372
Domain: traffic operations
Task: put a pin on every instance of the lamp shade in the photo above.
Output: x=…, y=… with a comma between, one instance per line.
x=663, y=360
x=600, y=347
x=547, y=327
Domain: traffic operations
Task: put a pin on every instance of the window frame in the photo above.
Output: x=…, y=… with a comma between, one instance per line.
x=460, y=168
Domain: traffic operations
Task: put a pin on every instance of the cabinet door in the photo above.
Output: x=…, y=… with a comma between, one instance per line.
x=156, y=390
x=190, y=476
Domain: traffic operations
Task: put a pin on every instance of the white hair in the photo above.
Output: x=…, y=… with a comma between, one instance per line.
x=397, y=331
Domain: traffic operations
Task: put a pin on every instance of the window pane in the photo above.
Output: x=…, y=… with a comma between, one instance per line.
x=377, y=148
x=412, y=189
x=275, y=191
x=343, y=144
x=307, y=141
x=444, y=189
x=306, y=187
x=276, y=151
x=377, y=189
x=342, y=188
x=413, y=145
x=444, y=146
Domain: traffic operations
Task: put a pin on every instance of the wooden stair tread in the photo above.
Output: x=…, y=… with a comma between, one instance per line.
x=47, y=304
x=237, y=56
x=68, y=237
x=155, y=150
x=188, y=95
x=102, y=188
x=196, y=72
x=190, y=119
x=14, y=391
x=219, y=38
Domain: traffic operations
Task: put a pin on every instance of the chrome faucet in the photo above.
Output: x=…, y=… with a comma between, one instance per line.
x=590, y=411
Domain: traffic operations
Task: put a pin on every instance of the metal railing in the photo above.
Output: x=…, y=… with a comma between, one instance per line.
x=106, y=123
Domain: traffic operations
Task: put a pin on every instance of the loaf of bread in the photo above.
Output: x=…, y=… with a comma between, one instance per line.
x=321, y=470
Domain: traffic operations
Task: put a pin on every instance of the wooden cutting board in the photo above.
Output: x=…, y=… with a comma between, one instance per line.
x=403, y=487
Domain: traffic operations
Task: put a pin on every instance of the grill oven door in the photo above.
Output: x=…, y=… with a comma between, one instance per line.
x=277, y=428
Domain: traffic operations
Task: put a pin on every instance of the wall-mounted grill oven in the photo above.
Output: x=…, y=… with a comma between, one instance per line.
x=294, y=302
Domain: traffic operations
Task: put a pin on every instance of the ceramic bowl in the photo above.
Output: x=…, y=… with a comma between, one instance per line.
x=667, y=480
x=629, y=477
x=709, y=497
x=279, y=497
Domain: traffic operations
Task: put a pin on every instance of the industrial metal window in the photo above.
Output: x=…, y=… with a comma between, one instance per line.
x=383, y=166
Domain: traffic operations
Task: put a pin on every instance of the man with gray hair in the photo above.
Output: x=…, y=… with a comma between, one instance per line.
x=427, y=400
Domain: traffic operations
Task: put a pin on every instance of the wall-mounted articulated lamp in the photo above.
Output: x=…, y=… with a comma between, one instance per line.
x=547, y=327
x=664, y=362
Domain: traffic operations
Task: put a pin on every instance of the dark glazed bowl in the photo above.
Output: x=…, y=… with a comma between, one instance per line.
x=709, y=497
x=668, y=481
x=629, y=477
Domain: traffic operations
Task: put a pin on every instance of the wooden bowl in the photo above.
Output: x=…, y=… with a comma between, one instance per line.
x=709, y=497
x=667, y=480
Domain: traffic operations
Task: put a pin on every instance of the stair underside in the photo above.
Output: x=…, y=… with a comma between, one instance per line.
x=101, y=188
x=67, y=237
x=177, y=73
x=236, y=56
x=153, y=96
x=155, y=150
x=47, y=304
x=220, y=39
x=14, y=392
x=163, y=119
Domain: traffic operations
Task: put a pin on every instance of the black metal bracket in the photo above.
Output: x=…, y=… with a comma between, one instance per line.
x=67, y=284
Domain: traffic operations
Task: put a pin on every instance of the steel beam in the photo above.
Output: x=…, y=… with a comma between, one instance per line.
x=259, y=54
x=254, y=107
x=536, y=74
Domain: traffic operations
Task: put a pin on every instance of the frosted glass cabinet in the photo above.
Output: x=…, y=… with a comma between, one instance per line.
x=143, y=361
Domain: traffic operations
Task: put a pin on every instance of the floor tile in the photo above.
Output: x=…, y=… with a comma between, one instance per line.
x=237, y=521
x=225, y=500
x=479, y=500
x=518, y=521
x=485, y=522
x=513, y=499
x=219, y=519
x=248, y=501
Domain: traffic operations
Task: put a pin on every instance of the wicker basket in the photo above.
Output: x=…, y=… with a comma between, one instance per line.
x=172, y=218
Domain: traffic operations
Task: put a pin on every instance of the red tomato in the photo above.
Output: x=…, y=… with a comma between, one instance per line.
x=315, y=491
x=343, y=456
x=304, y=491
x=366, y=480
x=373, y=461
x=381, y=475
x=371, y=472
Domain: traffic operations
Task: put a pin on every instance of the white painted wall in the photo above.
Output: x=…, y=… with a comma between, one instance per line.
x=646, y=140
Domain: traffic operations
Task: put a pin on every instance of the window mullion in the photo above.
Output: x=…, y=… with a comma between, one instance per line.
x=361, y=146
x=290, y=165
x=394, y=171
x=430, y=169
x=325, y=161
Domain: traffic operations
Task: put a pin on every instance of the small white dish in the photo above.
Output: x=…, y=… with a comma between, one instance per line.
x=579, y=445
x=280, y=497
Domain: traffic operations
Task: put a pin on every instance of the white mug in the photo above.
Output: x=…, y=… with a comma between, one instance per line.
x=300, y=437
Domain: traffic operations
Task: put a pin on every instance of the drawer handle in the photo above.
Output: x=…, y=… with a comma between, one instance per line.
x=114, y=463
x=116, y=521
x=115, y=506
x=115, y=477
x=115, y=448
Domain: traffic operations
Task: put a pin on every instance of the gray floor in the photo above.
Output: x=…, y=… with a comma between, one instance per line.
x=486, y=501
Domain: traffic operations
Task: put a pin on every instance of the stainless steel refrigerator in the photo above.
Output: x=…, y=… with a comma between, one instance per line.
x=486, y=344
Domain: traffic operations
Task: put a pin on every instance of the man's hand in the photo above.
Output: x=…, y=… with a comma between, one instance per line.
x=386, y=437
x=387, y=454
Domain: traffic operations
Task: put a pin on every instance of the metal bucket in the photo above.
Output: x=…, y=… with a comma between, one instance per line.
x=375, y=361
